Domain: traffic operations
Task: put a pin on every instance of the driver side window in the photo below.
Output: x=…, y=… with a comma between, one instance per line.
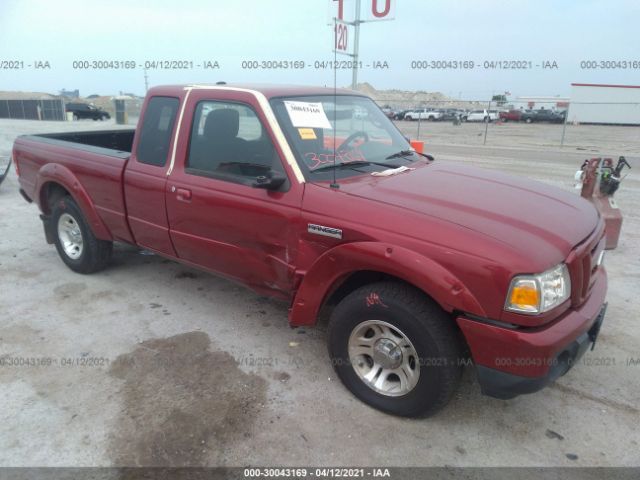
x=229, y=142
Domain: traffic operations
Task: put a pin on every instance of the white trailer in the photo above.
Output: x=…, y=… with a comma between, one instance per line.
x=604, y=104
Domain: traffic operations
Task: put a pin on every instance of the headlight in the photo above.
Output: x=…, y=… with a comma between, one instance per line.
x=533, y=294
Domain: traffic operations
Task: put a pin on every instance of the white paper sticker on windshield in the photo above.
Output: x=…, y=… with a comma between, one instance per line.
x=307, y=114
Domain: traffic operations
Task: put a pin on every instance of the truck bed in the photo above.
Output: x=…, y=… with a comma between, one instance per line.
x=95, y=159
x=118, y=140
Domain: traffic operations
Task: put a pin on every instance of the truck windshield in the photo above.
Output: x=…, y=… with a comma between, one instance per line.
x=350, y=130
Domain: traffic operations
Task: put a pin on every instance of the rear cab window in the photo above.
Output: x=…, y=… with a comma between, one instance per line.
x=156, y=131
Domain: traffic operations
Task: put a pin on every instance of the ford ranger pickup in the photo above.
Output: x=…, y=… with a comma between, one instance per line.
x=313, y=196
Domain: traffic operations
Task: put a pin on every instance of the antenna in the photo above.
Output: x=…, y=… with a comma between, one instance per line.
x=335, y=99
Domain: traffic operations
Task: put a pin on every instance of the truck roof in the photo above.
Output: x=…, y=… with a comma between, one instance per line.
x=268, y=90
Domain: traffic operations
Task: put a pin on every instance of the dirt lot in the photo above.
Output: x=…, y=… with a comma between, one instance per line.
x=585, y=139
x=153, y=363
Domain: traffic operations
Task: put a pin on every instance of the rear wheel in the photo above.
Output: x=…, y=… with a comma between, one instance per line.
x=395, y=349
x=77, y=246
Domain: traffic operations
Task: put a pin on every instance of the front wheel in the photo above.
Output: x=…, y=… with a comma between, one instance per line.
x=77, y=246
x=395, y=349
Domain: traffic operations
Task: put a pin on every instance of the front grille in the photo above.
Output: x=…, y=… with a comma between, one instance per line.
x=582, y=264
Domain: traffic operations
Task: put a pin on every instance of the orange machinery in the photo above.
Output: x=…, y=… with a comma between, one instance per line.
x=600, y=180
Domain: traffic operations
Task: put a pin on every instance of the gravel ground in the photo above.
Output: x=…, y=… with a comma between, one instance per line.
x=587, y=139
x=154, y=363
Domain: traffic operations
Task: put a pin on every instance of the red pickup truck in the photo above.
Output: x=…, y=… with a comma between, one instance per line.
x=313, y=196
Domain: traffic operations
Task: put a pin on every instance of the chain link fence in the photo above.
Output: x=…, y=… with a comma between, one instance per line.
x=589, y=126
x=32, y=109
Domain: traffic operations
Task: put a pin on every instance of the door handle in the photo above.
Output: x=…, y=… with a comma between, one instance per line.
x=183, y=195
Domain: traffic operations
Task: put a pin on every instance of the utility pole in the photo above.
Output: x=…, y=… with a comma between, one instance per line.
x=146, y=81
x=338, y=19
x=356, y=46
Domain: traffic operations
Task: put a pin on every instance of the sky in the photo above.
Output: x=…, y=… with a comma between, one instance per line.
x=231, y=32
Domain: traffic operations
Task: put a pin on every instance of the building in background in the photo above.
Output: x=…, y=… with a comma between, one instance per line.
x=604, y=104
x=72, y=94
x=537, y=103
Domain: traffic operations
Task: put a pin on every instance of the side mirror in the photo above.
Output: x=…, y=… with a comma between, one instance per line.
x=271, y=182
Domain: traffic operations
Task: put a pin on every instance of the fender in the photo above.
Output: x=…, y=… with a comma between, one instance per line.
x=52, y=172
x=338, y=263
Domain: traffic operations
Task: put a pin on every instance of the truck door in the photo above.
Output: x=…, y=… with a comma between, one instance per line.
x=217, y=218
x=145, y=176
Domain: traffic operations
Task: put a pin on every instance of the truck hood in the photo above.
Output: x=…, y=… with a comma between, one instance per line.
x=530, y=216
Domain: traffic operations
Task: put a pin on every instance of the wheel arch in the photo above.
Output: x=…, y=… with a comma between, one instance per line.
x=55, y=181
x=347, y=267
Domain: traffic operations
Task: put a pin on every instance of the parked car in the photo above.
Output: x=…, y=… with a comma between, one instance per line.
x=83, y=111
x=400, y=115
x=511, y=115
x=423, y=114
x=388, y=111
x=419, y=268
x=451, y=114
x=494, y=115
x=543, y=115
x=482, y=116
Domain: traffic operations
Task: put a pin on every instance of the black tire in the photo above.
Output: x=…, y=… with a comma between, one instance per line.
x=431, y=331
x=95, y=254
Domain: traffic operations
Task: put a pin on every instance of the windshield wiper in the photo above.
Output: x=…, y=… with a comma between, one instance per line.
x=406, y=153
x=351, y=164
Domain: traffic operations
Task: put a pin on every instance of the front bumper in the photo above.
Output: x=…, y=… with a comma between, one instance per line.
x=511, y=362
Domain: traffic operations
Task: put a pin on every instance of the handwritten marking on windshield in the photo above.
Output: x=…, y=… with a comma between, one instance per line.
x=315, y=160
